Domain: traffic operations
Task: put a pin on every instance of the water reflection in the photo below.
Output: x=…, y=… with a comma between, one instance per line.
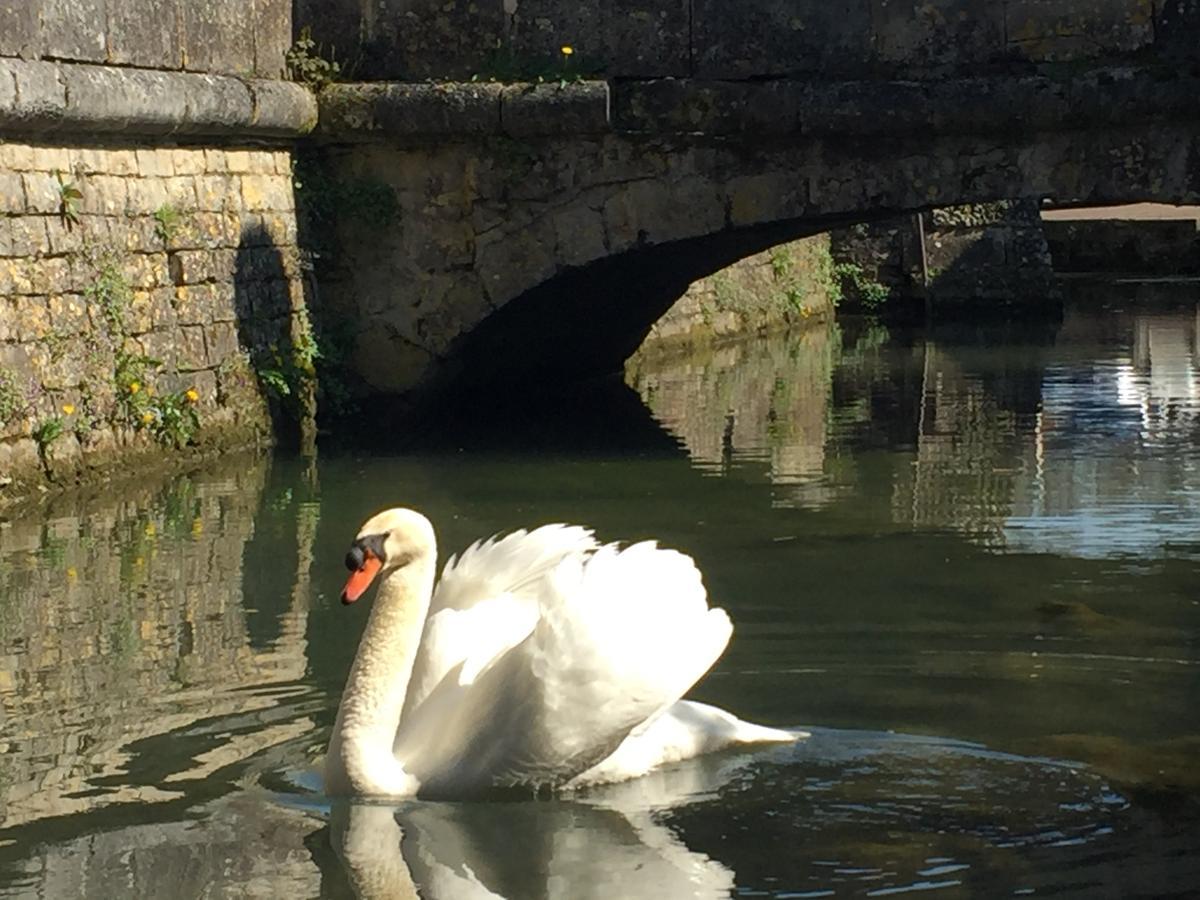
x=122, y=621
x=1087, y=452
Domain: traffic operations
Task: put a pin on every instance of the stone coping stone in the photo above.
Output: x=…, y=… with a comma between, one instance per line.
x=400, y=109
x=867, y=108
x=37, y=97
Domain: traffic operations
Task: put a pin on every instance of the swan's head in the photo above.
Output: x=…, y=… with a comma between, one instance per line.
x=388, y=540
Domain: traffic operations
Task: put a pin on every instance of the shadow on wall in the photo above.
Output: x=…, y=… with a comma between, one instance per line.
x=273, y=329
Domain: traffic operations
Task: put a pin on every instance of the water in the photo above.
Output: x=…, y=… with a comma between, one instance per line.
x=966, y=562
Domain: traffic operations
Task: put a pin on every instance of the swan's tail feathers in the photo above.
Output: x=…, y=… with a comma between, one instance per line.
x=749, y=733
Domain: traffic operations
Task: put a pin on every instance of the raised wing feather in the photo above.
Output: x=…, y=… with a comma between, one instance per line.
x=486, y=602
x=619, y=636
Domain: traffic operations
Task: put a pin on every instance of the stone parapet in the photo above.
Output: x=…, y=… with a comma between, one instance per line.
x=49, y=97
x=980, y=105
x=463, y=110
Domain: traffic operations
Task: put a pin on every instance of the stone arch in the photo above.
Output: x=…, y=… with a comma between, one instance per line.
x=548, y=259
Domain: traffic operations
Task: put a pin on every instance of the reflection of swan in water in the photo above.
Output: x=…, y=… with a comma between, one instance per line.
x=543, y=659
x=605, y=846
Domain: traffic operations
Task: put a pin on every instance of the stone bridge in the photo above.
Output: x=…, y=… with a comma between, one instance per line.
x=539, y=230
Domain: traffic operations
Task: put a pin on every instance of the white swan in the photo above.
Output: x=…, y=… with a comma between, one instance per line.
x=543, y=659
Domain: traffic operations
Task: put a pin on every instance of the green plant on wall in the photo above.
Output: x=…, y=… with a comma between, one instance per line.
x=306, y=64
x=167, y=222
x=324, y=198
x=47, y=431
x=172, y=418
x=872, y=294
x=69, y=196
x=14, y=404
x=109, y=291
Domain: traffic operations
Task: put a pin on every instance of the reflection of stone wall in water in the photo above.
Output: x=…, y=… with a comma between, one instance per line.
x=119, y=624
x=764, y=399
x=968, y=454
x=244, y=846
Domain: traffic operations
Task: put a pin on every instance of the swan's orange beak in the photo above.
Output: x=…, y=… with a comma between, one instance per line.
x=361, y=579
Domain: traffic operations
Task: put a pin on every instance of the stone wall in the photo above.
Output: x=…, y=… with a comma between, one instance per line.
x=989, y=253
x=717, y=39
x=227, y=36
x=786, y=287
x=142, y=288
x=1125, y=246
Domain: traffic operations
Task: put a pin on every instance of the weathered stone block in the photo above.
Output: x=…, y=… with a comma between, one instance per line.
x=218, y=36
x=187, y=162
x=221, y=341
x=104, y=195
x=215, y=193
x=574, y=109
x=197, y=266
x=779, y=37
x=580, y=234
x=626, y=38
x=512, y=263
x=197, y=304
x=18, y=157
x=68, y=314
x=33, y=322
x=282, y=107
x=18, y=29
x=42, y=193
x=138, y=39
x=411, y=109
x=1061, y=30
x=12, y=193
x=755, y=199
x=144, y=195
x=272, y=37
x=41, y=97
x=27, y=236
x=161, y=345
x=73, y=29
x=216, y=103
x=711, y=107
x=432, y=38
x=959, y=34
x=266, y=192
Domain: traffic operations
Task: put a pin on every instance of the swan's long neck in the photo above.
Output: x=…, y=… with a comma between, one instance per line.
x=360, y=756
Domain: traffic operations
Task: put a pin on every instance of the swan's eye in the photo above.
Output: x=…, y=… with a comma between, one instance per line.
x=355, y=559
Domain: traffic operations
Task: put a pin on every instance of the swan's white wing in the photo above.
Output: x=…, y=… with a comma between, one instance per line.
x=486, y=602
x=619, y=637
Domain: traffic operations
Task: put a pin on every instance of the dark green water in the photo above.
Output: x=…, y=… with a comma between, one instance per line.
x=967, y=563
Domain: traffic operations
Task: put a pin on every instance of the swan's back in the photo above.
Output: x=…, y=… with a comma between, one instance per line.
x=543, y=651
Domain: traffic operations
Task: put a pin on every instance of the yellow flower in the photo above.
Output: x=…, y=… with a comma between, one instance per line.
x=69, y=409
x=192, y=395
x=134, y=387
x=567, y=50
x=147, y=417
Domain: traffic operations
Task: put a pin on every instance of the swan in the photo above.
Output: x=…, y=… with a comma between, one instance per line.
x=542, y=660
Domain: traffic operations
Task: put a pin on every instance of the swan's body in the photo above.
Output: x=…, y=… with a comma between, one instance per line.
x=542, y=659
